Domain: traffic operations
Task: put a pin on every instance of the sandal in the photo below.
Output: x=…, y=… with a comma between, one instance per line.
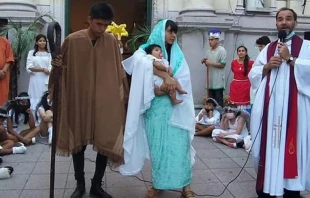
x=188, y=194
x=152, y=193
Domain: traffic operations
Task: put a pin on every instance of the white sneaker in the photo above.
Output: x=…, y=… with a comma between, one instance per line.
x=19, y=150
x=4, y=173
x=50, y=137
x=33, y=140
x=247, y=143
x=18, y=144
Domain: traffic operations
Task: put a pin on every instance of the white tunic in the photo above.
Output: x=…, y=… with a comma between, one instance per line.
x=274, y=181
x=205, y=120
x=38, y=80
x=232, y=127
x=158, y=81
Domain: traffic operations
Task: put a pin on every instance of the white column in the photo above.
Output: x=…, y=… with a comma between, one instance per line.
x=296, y=5
x=58, y=11
x=225, y=5
x=160, y=10
x=307, y=9
x=22, y=5
x=239, y=7
x=198, y=4
x=273, y=5
x=17, y=8
x=198, y=7
x=18, y=1
x=281, y=4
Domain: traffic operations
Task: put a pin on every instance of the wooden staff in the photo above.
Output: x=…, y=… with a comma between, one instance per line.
x=208, y=86
x=207, y=83
x=53, y=28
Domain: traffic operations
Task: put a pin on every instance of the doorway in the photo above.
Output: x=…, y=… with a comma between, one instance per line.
x=131, y=13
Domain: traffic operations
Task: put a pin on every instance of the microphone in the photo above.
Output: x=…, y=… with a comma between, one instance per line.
x=282, y=35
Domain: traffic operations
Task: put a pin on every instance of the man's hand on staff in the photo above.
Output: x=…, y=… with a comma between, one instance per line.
x=57, y=62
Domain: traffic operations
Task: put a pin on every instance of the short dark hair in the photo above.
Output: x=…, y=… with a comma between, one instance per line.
x=289, y=9
x=101, y=11
x=150, y=48
x=173, y=26
x=209, y=101
x=36, y=47
x=264, y=40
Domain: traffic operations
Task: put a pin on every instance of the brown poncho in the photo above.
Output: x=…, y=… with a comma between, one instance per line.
x=92, y=95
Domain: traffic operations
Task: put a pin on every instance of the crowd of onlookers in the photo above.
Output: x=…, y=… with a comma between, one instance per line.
x=227, y=120
x=29, y=114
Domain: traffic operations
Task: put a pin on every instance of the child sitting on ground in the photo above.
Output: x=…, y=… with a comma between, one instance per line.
x=155, y=53
x=6, y=145
x=44, y=117
x=208, y=118
x=20, y=113
x=232, y=128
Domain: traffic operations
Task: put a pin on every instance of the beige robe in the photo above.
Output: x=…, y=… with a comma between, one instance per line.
x=93, y=92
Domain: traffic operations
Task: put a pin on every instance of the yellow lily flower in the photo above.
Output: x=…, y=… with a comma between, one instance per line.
x=119, y=30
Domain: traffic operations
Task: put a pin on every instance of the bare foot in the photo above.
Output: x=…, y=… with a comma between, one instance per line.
x=232, y=145
x=175, y=102
x=152, y=193
x=27, y=141
x=216, y=139
x=181, y=91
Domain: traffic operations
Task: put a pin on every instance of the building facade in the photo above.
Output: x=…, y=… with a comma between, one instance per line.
x=241, y=24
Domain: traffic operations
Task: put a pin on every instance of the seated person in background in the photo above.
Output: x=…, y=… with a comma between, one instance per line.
x=44, y=117
x=154, y=53
x=208, y=118
x=232, y=128
x=6, y=145
x=20, y=113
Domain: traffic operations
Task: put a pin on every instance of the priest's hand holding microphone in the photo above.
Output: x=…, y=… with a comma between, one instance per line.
x=283, y=50
x=283, y=54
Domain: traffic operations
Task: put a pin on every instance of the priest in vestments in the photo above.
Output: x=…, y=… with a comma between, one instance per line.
x=280, y=122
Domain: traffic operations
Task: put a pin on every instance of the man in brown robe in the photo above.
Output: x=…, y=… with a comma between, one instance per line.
x=92, y=95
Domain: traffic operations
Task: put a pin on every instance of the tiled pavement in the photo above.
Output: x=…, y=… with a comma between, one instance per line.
x=216, y=165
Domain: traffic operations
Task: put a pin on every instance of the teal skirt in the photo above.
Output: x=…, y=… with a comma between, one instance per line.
x=169, y=147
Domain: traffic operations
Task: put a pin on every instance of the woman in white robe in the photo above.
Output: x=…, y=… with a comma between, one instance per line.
x=39, y=67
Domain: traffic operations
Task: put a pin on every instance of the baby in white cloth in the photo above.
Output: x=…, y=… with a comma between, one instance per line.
x=154, y=52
